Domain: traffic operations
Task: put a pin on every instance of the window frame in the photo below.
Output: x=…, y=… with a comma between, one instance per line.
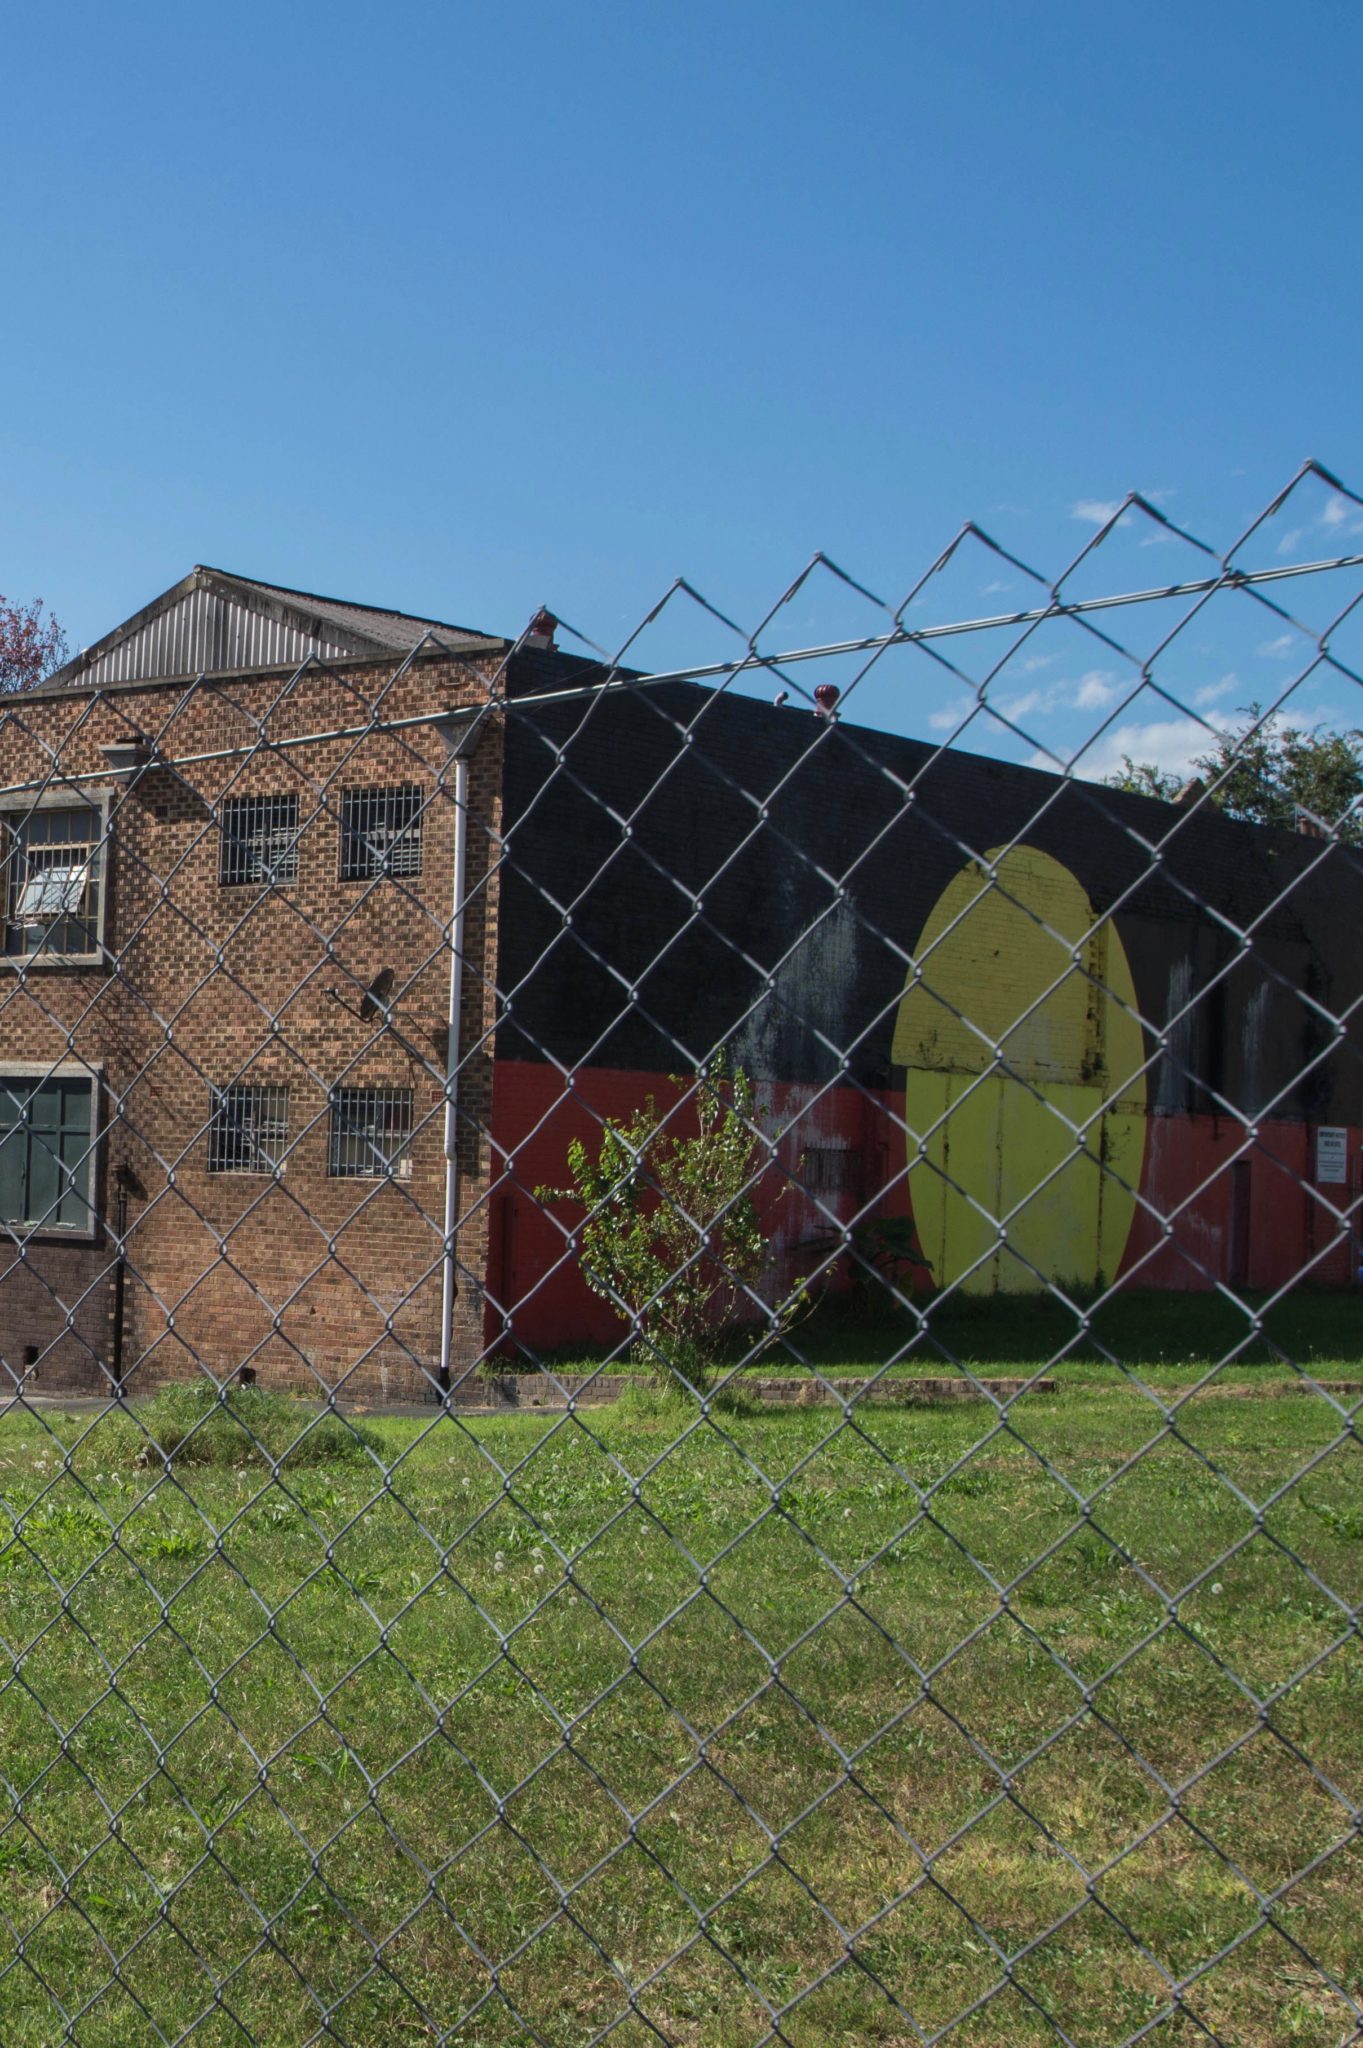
x=271, y=1166
x=397, y=1167
x=350, y=834
x=14, y=813
x=268, y=878
x=92, y=1073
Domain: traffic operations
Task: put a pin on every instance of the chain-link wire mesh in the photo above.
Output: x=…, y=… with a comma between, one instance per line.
x=680, y=1369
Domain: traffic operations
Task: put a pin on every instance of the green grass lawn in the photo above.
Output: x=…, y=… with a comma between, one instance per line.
x=473, y=1731
x=1167, y=1340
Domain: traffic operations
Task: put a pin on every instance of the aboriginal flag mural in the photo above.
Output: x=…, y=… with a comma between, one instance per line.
x=1025, y=1080
x=1073, y=1035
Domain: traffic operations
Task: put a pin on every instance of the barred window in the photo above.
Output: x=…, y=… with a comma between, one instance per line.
x=380, y=832
x=53, y=859
x=248, y=1128
x=259, y=840
x=371, y=1133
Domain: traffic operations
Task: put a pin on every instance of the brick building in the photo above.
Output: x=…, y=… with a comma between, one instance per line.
x=328, y=927
x=204, y=874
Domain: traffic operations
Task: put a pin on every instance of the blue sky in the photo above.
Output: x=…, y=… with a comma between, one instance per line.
x=463, y=309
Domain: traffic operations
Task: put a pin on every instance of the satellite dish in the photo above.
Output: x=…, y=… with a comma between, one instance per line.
x=374, y=1001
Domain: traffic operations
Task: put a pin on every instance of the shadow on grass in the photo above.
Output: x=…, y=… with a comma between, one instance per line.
x=1182, y=1335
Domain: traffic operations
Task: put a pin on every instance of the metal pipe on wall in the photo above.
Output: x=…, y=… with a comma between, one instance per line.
x=120, y=1282
x=449, y=1280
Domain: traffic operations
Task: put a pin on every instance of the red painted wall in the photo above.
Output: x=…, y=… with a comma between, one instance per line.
x=1287, y=1226
x=533, y=1279
x=1259, y=1229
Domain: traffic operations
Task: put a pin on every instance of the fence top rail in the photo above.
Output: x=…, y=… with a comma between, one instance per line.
x=458, y=719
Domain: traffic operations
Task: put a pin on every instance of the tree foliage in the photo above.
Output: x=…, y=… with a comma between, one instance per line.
x=32, y=645
x=1143, y=778
x=671, y=1237
x=1267, y=773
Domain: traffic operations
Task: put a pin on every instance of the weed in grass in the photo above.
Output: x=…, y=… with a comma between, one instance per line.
x=204, y=1424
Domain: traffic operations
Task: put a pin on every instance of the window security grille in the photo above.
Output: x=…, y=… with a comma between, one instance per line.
x=380, y=833
x=259, y=840
x=248, y=1129
x=53, y=880
x=371, y=1133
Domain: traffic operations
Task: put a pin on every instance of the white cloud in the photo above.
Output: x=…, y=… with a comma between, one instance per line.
x=1020, y=707
x=991, y=589
x=1279, y=649
x=1291, y=540
x=1340, y=516
x=947, y=717
x=1210, y=692
x=1158, y=539
x=1096, y=511
x=1095, y=692
x=1034, y=662
x=1168, y=743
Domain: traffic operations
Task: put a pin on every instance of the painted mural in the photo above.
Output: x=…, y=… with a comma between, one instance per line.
x=1025, y=1091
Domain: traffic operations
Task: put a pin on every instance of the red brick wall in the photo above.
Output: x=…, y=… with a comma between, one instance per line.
x=310, y=1278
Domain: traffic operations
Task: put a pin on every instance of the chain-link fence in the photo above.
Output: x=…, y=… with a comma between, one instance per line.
x=682, y=1369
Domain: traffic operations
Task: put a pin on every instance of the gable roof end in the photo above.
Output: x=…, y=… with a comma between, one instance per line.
x=215, y=623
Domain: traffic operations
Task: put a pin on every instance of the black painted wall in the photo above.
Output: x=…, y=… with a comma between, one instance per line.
x=685, y=867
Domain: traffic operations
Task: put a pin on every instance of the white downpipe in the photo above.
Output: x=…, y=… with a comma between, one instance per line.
x=449, y=1286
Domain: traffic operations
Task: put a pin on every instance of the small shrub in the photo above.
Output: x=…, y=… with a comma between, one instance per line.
x=671, y=1237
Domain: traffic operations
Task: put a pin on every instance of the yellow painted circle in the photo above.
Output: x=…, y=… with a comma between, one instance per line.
x=1016, y=967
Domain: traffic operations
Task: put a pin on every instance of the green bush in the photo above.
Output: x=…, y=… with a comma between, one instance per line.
x=671, y=1236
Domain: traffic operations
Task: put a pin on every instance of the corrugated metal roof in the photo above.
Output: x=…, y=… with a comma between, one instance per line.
x=214, y=622
x=399, y=630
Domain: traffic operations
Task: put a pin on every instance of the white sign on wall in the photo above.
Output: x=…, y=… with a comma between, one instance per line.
x=1332, y=1145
